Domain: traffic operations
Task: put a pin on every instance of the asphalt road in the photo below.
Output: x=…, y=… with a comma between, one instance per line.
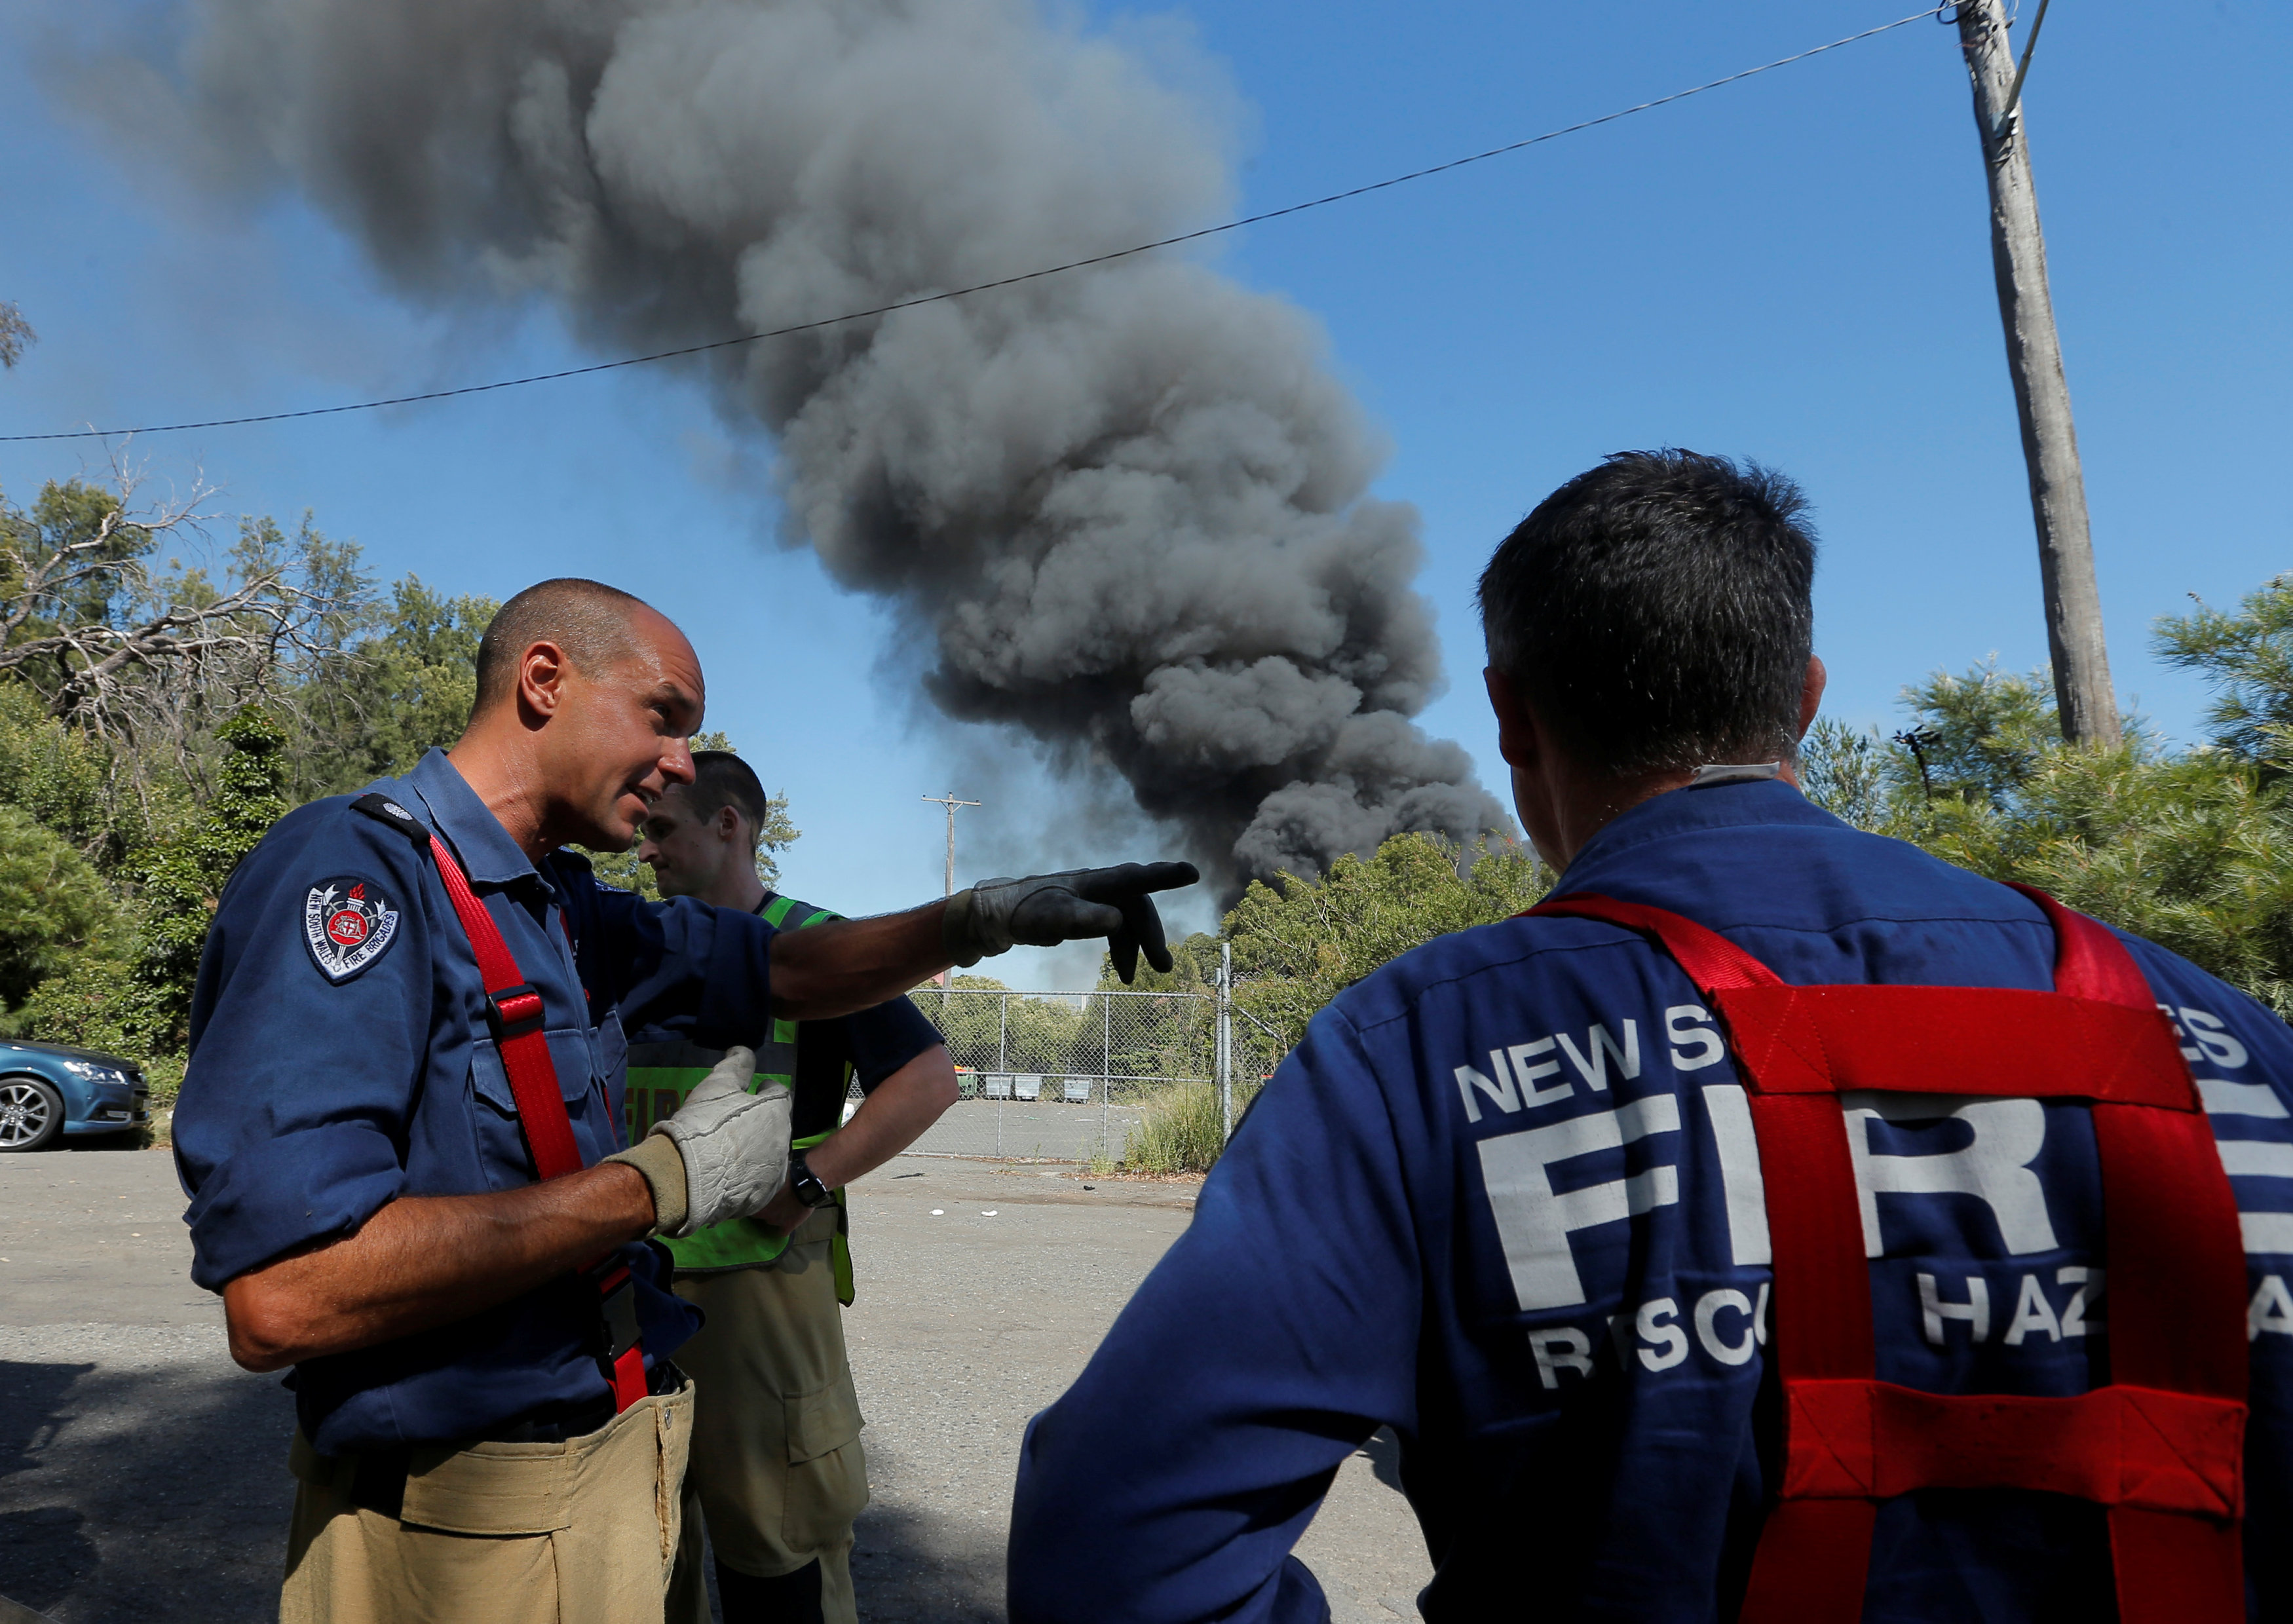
x=1023, y=1130
x=143, y=1474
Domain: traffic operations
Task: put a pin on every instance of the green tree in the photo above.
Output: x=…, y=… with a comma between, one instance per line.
x=53, y=907
x=1298, y=942
x=64, y=781
x=132, y=993
x=2184, y=847
x=2248, y=657
x=969, y=1020
x=371, y=707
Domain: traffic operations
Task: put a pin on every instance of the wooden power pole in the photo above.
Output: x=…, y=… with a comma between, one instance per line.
x=2089, y=706
x=951, y=802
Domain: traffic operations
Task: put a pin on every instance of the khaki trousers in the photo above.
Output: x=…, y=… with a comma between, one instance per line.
x=777, y=1465
x=580, y=1533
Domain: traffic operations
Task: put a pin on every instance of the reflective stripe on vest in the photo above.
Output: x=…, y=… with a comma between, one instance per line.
x=2161, y=1447
x=661, y=1075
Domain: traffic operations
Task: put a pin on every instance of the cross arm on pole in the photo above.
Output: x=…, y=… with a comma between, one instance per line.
x=951, y=802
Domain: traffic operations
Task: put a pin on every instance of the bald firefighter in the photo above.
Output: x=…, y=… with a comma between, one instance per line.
x=402, y=1128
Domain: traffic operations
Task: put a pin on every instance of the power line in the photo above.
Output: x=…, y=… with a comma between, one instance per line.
x=1009, y=281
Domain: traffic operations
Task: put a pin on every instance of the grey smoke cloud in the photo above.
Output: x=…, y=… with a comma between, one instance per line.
x=1126, y=509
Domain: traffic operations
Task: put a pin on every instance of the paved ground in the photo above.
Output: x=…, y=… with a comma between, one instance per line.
x=142, y=1473
x=1020, y=1129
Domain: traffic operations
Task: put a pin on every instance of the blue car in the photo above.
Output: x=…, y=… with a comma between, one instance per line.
x=48, y=1090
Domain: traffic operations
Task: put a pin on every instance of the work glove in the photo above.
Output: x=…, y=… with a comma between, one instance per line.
x=1045, y=909
x=734, y=1143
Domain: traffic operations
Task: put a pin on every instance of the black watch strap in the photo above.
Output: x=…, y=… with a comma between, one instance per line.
x=807, y=1183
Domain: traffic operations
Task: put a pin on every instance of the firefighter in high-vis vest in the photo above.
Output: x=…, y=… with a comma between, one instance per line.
x=401, y=1128
x=1778, y=1225
x=777, y=1468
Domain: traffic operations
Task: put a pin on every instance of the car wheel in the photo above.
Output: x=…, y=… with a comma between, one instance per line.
x=31, y=1114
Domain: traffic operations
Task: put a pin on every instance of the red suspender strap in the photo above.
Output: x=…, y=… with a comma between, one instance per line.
x=2177, y=1285
x=1810, y=1565
x=2162, y=1446
x=514, y=1013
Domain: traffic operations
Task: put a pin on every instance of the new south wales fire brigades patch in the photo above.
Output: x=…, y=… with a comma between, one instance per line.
x=347, y=924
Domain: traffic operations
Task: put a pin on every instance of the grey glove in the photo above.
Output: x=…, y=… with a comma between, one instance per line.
x=1045, y=909
x=735, y=1145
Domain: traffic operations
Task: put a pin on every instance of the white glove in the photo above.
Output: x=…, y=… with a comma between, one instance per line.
x=735, y=1145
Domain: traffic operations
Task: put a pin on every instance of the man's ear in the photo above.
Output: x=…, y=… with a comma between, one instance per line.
x=1811, y=694
x=1518, y=738
x=541, y=672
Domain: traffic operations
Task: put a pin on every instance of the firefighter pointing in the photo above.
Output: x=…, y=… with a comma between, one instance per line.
x=400, y=1128
x=1777, y=1224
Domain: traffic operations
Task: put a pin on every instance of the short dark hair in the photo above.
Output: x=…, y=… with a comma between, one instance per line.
x=722, y=779
x=1656, y=610
x=588, y=619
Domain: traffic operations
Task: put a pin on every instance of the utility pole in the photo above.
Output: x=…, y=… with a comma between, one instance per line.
x=951, y=802
x=1224, y=1059
x=2083, y=695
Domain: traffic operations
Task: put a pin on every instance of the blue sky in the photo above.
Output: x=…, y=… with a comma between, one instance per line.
x=1795, y=269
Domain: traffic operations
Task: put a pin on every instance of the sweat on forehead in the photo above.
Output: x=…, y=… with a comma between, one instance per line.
x=594, y=624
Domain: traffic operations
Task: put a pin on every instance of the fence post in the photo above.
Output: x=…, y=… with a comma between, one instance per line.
x=1002, y=1061
x=1106, y=1063
x=1226, y=1040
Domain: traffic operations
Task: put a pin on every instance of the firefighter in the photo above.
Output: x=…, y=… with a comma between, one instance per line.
x=777, y=1467
x=1777, y=1223
x=400, y=1128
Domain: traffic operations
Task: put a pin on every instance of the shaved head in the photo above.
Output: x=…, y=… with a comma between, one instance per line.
x=589, y=622
x=586, y=698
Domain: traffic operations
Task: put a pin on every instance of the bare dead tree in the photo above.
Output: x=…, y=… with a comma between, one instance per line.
x=133, y=656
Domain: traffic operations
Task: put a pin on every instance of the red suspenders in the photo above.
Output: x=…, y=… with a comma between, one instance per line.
x=514, y=1014
x=2162, y=1446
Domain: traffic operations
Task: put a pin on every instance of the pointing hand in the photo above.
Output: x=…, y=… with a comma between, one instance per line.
x=1045, y=909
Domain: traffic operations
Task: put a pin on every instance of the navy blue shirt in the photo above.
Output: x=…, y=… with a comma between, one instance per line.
x=1506, y=1199
x=340, y=1059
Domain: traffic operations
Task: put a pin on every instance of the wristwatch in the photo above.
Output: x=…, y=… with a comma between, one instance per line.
x=806, y=1184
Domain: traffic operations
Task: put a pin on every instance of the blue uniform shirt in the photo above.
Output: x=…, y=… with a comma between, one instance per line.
x=340, y=1059
x=1506, y=1199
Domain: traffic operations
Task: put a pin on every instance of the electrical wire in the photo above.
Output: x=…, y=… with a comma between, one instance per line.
x=980, y=287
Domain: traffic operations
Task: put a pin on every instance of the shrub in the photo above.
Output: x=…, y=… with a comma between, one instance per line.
x=1180, y=1130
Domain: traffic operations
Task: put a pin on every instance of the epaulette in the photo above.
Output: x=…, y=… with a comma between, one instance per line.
x=382, y=809
x=572, y=859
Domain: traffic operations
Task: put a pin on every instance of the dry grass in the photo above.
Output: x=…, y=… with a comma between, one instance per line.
x=1181, y=1130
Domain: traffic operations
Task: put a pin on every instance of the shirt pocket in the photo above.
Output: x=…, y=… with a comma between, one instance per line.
x=501, y=1143
x=613, y=1072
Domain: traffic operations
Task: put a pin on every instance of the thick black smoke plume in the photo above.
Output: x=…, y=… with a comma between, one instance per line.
x=1126, y=506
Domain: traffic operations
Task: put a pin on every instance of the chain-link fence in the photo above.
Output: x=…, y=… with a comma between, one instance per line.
x=1070, y=1076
